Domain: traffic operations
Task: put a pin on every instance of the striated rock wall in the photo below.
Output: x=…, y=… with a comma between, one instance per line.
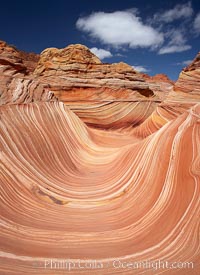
x=189, y=79
x=17, y=85
x=181, y=97
x=65, y=195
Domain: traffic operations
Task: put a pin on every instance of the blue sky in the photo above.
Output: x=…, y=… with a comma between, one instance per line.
x=153, y=36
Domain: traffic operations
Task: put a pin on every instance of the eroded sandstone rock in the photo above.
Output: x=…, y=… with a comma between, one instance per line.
x=189, y=79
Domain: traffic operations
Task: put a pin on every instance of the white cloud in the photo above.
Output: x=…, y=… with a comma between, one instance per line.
x=119, y=54
x=101, y=53
x=186, y=62
x=174, y=49
x=178, y=12
x=120, y=28
x=197, y=23
x=140, y=69
x=177, y=42
x=176, y=37
x=175, y=34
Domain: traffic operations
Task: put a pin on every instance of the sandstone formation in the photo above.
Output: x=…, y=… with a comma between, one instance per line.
x=99, y=165
x=189, y=79
x=178, y=99
x=157, y=78
x=77, y=77
x=90, y=88
x=20, y=61
x=17, y=85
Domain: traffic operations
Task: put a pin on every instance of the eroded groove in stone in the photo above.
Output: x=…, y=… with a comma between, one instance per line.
x=71, y=196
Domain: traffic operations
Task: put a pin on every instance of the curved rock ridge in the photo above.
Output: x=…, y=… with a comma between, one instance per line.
x=195, y=64
x=66, y=194
x=177, y=100
x=189, y=79
x=113, y=115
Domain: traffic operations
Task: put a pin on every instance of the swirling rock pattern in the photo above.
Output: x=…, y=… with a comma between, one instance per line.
x=71, y=191
x=66, y=196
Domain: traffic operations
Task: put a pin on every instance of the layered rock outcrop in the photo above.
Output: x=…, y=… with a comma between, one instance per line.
x=189, y=79
x=17, y=85
x=17, y=61
x=77, y=77
x=90, y=88
x=181, y=97
x=78, y=68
